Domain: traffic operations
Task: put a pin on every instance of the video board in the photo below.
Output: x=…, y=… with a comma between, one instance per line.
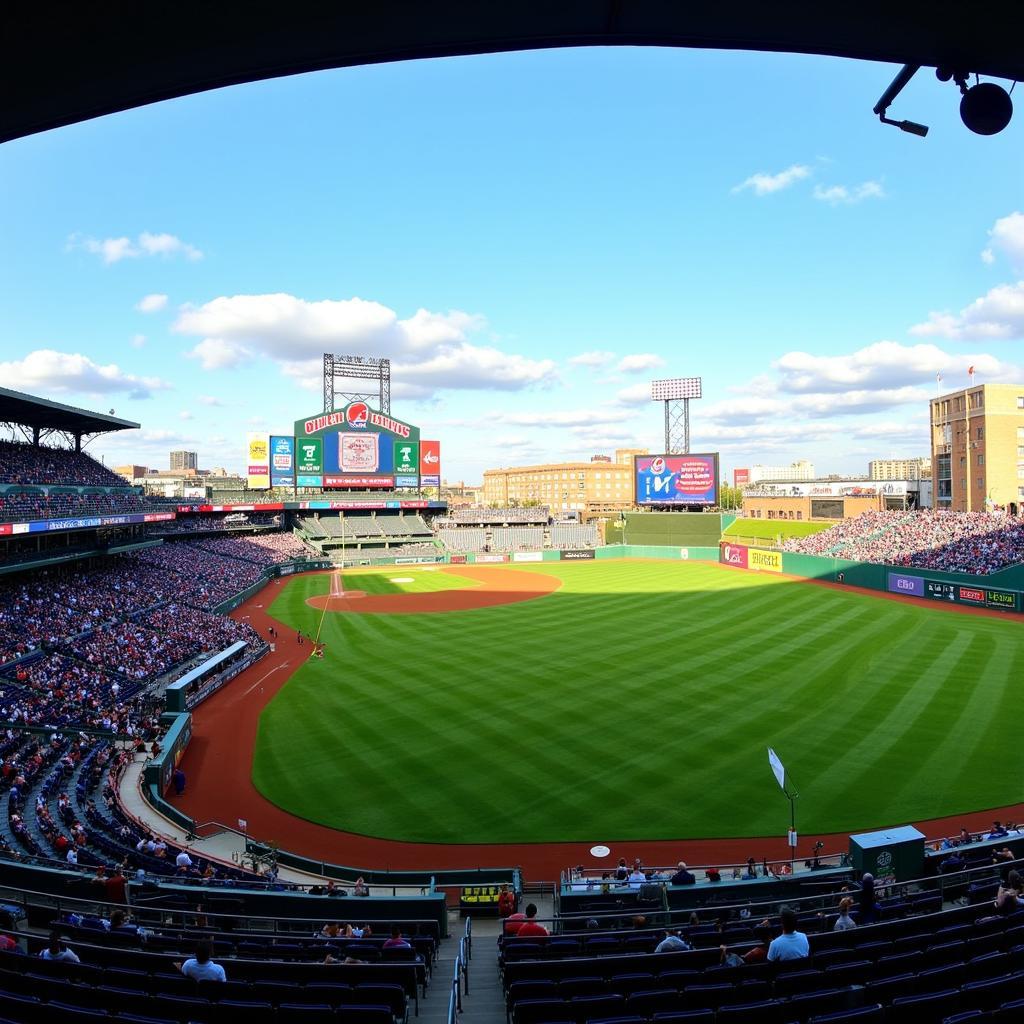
x=676, y=479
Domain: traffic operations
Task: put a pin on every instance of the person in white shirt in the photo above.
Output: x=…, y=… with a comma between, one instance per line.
x=72, y=857
x=183, y=860
x=201, y=967
x=844, y=922
x=636, y=878
x=791, y=944
x=55, y=951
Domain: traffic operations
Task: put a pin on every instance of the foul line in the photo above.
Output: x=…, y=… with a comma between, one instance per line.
x=284, y=664
x=337, y=590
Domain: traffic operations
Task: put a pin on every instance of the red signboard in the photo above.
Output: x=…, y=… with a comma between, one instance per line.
x=970, y=594
x=734, y=554
x=741, y=478
x=430, y=460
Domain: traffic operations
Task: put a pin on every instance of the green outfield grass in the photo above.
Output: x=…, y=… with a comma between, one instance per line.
x=637, y=702
x=769, y=529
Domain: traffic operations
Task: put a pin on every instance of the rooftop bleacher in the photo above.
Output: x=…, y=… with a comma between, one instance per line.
x=22, y=463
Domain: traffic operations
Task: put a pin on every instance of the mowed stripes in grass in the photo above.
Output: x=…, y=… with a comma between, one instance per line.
x=637, y=702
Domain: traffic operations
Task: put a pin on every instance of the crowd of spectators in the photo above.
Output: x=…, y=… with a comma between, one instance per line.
x=263, y=549
x=192, y=523
x=51, y=504
x=978, y=543
x=208, y=579
x=22, y=463
x=496, y=516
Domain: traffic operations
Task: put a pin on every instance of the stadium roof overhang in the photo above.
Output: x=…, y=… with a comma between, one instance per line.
x=41, y=417
x=66, y=62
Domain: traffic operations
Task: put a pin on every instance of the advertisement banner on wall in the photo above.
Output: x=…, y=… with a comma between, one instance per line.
x=734, y=554
x=458, y=559
x=194, y=492
x=258, y=461
x=309, y=458
x=430, y=463
x=407, y=458
x=407, y=481
x=491, y=558
x=527, y=556
x=912, y=586
x=764, y=561
x=351, y=480
x=580, y=555
x=676, y=479
x=309, y=480
x=282, y=461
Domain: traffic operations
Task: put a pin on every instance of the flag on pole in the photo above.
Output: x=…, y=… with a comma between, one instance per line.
x=777, y=768
x=970, y=373
x=938, y=377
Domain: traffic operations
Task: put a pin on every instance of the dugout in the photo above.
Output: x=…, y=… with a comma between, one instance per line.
x=672, y=529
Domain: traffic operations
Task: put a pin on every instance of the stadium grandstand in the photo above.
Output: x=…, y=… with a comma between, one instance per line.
x=512, y=530
x=354, y=538
x=977, y=543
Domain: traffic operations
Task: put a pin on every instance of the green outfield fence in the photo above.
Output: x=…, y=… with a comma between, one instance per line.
x=1003, y=589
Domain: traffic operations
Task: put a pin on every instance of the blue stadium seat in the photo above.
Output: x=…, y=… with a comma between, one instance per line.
x=771, y=1011
x=652, y=1001
x=711, y=996
x=364, y=1015
x=929, y=1008
x=861, y=1015
x=582, y=1008
x=810, y=1004
x=885, y=990
x=76, y=1014
x=627, y=984
x=685, y=1017
x=967, y=1015
x=588, y=986
x=539, y=1011
x=311, y=1012
x=1009, y=1012
x=249, y=1011
x=989, y=993
x=792, y=982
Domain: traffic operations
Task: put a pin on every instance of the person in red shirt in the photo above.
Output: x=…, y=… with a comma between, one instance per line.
x=514, y=922
x=506, y=902
x=529, y=927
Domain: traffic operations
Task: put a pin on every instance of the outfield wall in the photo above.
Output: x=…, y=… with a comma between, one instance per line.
x=672, y=529
x=1002, y=590
x=684, y=553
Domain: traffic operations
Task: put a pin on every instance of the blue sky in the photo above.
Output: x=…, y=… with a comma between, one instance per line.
x=530, y=238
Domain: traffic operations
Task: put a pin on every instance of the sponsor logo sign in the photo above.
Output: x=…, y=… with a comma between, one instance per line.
x=676, y=479
x=309, y=480
x=194, y=492
x=407, y=458
x=282, y=461
x=527, y=556
x=973, y=595
x=458, y=559
x=764, y=561
x=407, y=481
x=684, y=553
x=356, y=416
x=258, y=464
x=582, y=555
x=430, y=463
x=491, y=558
x=309, y=452
x=734, y=554
x=829, y=489
x=1004, y=599
x=359, y=453
x=910, y=585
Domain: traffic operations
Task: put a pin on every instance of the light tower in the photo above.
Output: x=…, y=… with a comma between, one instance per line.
x=676, y=393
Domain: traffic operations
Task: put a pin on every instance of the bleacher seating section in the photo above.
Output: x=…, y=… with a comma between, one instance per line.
x=517, y=538
x=574, y=535
x=911, y=967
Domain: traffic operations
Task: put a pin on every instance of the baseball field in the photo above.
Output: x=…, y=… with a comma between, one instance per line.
x=632, y=700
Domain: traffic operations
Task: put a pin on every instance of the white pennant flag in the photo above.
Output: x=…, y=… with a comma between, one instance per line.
x=777, y=768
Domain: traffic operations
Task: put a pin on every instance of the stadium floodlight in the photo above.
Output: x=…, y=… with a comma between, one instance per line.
x=675, y=388
x=903, y=76
x=675, y=393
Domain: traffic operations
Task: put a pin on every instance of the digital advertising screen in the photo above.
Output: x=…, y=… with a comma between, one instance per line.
x=363, y=459
x=282, y=461
x=676, y=479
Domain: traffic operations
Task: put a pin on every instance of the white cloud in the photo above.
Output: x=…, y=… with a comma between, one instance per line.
x=639, y=361
x=765, y=184
x=1006, y=236
x=113, y=250
x=186, y=414
x=211, y=400
x=592, y=359
x=138, y=340
x=429, y=351
x=151, y=303
x=999, y=314
x=635, y=394
x=838, y=195
x=562, y=418
x=46, y=371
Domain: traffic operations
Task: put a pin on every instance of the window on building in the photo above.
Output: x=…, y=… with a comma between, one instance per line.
x=1020, y=401
x=799, y=514
x=980, y=433
x=976, y=400
x=981, y=460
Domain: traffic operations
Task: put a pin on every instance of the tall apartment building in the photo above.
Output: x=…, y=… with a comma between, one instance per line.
x=184, y=460
x=802, y=470
x=900, y=469
x=130, y=472
x=598, y=485
x=978, y=448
